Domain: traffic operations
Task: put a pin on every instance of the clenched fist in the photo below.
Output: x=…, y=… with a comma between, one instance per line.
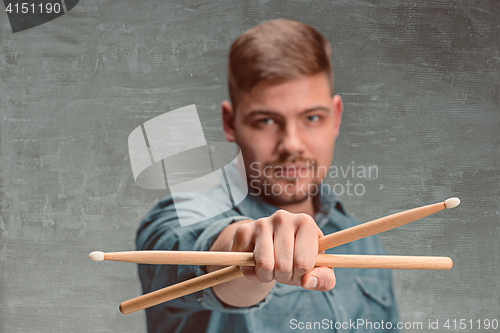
x=285, y=247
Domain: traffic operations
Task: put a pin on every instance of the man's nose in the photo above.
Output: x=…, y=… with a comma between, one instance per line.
x=291, y=142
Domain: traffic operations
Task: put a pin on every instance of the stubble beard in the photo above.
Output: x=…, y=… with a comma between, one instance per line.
x=275, y=194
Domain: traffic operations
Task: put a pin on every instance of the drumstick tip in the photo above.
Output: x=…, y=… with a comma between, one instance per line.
x=97, y=256
x=451, y=203
x=450, y=263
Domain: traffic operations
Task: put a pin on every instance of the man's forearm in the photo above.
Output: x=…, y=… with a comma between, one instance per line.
x=240, y=292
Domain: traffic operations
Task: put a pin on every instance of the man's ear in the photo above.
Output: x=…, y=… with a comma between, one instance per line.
x=227, y=115
x=337, y=113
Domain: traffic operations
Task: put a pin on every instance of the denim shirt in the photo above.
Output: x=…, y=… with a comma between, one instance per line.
x=362, y=300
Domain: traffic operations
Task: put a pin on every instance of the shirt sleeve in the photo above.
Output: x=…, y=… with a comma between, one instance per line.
x=160, y=230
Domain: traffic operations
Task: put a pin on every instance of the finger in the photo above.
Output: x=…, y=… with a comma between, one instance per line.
x=320, y=279
x=243, y=241
x=305, y=248
x=263, y=252
x=250, y=274
x=243, y=238
x=284, y=241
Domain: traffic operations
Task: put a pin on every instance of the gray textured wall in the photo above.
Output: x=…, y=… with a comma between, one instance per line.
x=421, y=88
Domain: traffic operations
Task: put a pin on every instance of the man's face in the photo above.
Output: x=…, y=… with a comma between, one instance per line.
x=286, y=133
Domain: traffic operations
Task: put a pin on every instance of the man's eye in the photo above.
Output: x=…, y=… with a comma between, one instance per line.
x=266, y=121
x=313, y=118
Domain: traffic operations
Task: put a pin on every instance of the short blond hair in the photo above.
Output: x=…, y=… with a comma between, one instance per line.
x=276, y=51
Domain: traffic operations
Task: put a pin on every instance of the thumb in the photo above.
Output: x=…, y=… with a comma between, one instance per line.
x=320, y=279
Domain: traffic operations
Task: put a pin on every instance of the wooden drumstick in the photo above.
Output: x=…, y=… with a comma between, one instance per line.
x=178, y=257
x=383, y=224
x=247, y=259
x=180, y=289
x=328, y=260
x=335, y=239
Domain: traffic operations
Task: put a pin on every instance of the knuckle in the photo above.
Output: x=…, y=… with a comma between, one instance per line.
x=242, y=238
x=264, y=264
x=280, y=216
x=241, y=234
x=260, y=226
x=302, y=266
x=304, y=219
x=280, y=213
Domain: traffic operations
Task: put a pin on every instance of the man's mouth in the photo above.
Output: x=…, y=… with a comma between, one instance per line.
x=292, y=171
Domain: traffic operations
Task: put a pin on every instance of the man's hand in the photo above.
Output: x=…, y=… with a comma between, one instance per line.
x=285, y=248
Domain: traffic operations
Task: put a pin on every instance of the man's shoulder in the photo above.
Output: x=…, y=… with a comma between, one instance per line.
x=183, y=217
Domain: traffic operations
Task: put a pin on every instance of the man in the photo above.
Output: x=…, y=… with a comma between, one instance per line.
x=285, y=118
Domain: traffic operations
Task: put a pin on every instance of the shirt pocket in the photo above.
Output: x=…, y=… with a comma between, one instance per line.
x=293, y=303
x=377, y=297
x=288, y=301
